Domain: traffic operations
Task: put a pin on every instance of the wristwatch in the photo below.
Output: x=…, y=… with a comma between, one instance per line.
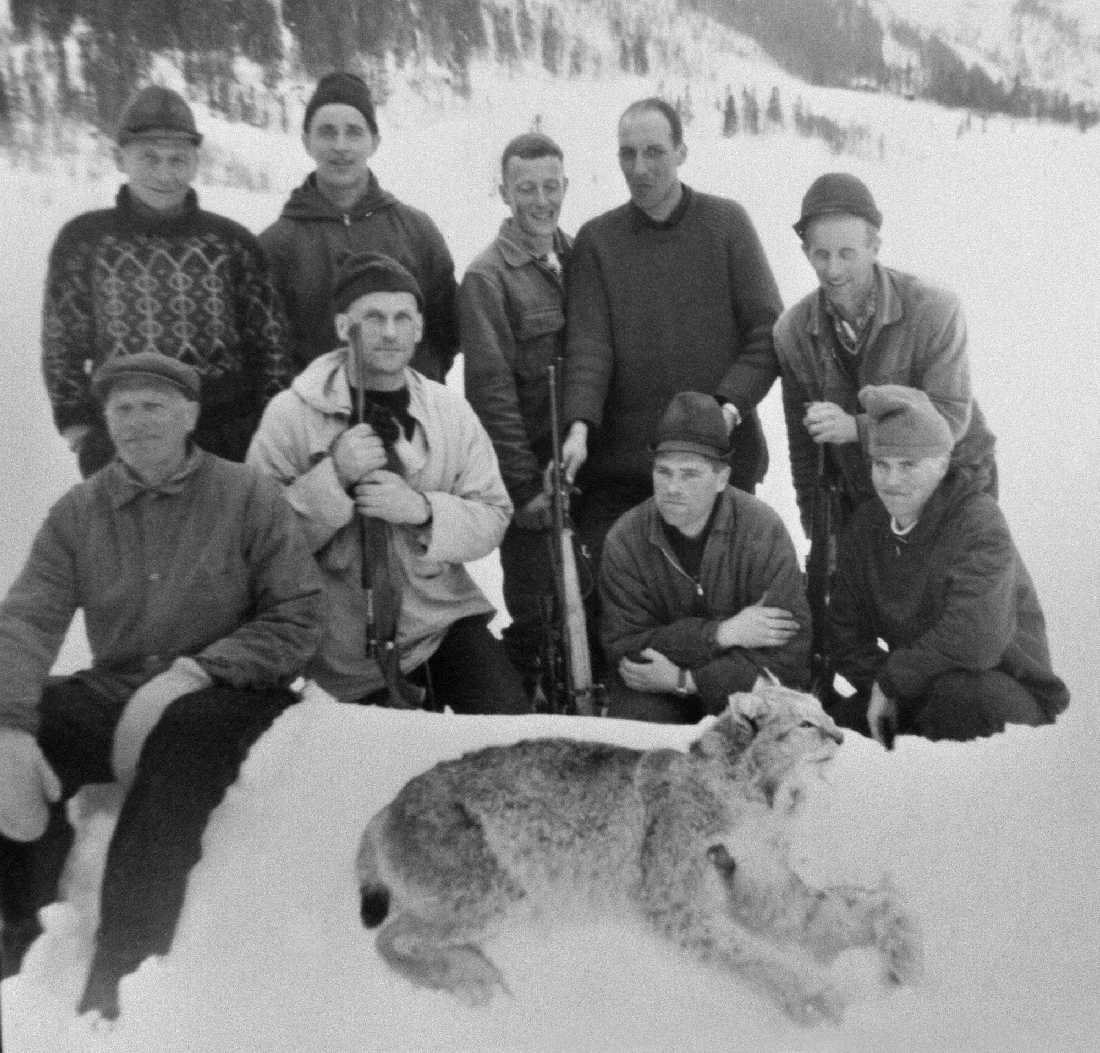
x=682, y=688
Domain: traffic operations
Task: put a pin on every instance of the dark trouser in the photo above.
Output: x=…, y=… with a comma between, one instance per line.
x=528, y=575
x=627, y=704
x=469, y=672
x=960, y=705
x=189, y=760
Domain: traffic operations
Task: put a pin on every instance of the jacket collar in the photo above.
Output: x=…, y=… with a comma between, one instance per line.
x=307, y=202
x=725, y=522
x=516, y=254
x=888, y=311
x=124, y=485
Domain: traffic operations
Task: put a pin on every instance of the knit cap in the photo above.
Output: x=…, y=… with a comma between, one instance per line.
x=693, y=423
x=157, y=113
x=902, y=422
x=838, y=193
x=366, y=272
x=347, y=88
x=146, y=365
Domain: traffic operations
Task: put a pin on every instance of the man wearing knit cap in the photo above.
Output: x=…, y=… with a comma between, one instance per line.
x=201, y=604
x=866, y=324
x=399, y=599
x=341, y=209
x=934, y=619
x=158, y=274
x=700, y=586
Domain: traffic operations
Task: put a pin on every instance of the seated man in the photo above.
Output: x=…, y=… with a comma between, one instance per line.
x=200, y=603
x=393, y=506
x=700, y=585
x=930, y=571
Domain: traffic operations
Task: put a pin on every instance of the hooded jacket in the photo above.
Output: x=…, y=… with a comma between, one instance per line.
x=953, y=594
x=305, y=244
x=450, y=460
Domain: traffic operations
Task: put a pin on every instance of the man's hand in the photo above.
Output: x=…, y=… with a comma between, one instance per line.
x=882, y=716
x=74, y=436
x=757, y=626
x=146, y=706
x=27, y=786
x=356, y=453
x=827, y=422
x=656, y=674
x=386, y=496
x=574, y=450
x=535, y=515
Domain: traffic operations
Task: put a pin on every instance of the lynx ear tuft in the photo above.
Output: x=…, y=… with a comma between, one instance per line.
x=747, y=709
x=720, y=857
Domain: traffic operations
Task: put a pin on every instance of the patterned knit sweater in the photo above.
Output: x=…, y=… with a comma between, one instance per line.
x=192, y=286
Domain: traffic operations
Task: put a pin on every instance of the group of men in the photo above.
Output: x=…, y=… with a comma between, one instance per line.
x=175, y=343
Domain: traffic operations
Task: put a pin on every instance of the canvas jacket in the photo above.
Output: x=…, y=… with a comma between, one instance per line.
x=305, y=245
x=649, y=600
x=511, y=310
x=450, y=460
x=214, y=567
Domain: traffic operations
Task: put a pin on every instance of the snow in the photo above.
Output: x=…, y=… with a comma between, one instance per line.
x=992, y=843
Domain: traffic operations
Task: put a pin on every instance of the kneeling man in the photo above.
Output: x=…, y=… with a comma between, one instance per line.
x=934, y=618
x=200, y=603
x=700, y=585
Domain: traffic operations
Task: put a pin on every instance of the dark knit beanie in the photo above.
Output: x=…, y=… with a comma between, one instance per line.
x=693, y=423
x=902, y=422
x=837, y=192
x=347, y=88
x=146, y=365
x=157, y=113
x=367, y=272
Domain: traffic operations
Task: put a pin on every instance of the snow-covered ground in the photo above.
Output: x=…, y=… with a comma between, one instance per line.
x=993, y=843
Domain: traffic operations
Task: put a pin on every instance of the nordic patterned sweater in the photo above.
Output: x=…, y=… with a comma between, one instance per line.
x=193, y=286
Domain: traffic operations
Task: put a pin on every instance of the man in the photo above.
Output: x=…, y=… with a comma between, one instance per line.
x=200, y=604
x=700, y=586
x=866, y=324
x=341, y=209
x=426, y=469
x=668, y=292
x=157, y=273
x=512, y=318
x=930, y=571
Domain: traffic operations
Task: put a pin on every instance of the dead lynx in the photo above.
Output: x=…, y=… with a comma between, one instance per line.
x=693, y=841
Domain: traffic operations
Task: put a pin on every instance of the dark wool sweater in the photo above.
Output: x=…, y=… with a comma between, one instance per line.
x=192, y=286
x=654, y=310
x=953, y=594
x=306, y=243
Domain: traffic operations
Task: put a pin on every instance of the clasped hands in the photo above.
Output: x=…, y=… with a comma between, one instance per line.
x=359, y=458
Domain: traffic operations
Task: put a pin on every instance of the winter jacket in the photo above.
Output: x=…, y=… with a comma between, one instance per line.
x=653, y=310
x=953, y=594
x=917, y=338
x=648, y=600
x=511, y=315
x=212, y=565
x=306, y=243
x=192, y=286
x=450, y=460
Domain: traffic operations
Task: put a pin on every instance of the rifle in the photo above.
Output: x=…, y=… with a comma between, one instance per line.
x=820, y=568
x=567, y=656
x=382, y=598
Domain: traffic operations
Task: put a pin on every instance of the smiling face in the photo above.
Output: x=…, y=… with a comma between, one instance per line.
x=842, y=250
x=685, y=487
x=534, y=189
x=905, y=484
x=650, y=161
x=159, y=172
x=341, y=144
x=390, y=326
x=149, y=423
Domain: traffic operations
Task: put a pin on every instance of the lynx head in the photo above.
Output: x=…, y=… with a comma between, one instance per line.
x=771, y=737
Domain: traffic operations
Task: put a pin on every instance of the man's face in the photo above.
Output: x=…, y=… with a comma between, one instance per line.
x=149, y=423
x=905, y=484
x=685, y=487
x=159, y=171
x=649, y=159
x=341, y=144
x=534, y=189
x=842, y=250
x=390, y=327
